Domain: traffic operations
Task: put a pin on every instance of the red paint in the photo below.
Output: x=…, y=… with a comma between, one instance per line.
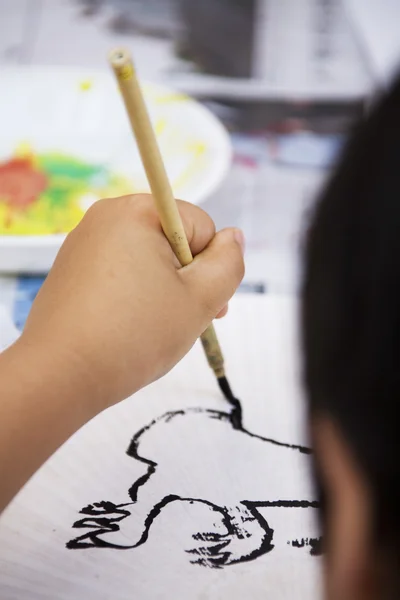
x=20, y=182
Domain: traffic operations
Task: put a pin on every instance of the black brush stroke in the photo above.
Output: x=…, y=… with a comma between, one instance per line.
x=217, y=556
x=315, y=544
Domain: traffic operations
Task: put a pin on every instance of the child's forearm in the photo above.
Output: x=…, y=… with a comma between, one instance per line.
x=42, y=402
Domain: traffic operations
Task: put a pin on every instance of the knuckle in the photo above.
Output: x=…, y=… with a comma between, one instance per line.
x=139, y=206
x=122, y=207
x=198, y=225
x=138, y=201
x=94, y=212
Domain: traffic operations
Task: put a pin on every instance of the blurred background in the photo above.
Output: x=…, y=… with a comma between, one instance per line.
x=287, y=78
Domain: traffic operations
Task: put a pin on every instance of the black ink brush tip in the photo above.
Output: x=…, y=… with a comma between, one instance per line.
x=227, y=391
x=215, y=359
x=236, y=415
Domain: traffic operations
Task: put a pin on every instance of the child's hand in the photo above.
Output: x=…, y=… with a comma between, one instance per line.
x=117, y=309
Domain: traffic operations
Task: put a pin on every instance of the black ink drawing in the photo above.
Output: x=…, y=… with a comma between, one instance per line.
x=241, y=533
x=315, y=545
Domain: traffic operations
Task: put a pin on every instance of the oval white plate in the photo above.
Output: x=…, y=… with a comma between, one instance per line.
x=80, y=113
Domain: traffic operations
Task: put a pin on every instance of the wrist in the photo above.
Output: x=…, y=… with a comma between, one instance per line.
x=41, y=372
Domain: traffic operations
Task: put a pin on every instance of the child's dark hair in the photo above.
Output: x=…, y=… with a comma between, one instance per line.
x=351, y=310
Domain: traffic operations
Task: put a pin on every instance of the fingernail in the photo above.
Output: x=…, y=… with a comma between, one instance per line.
x=239, y=237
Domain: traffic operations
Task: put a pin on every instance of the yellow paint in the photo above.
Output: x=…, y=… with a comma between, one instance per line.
x=125, y=72
x=85, y=85
x=164, y=98
x=160, y=126
x=197, y=149
x=170, y=98
x=24, y=150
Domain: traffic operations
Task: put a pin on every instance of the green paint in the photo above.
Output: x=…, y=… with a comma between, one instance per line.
x=58, y=203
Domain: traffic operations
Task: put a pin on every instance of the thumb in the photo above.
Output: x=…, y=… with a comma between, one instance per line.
x=216, y=273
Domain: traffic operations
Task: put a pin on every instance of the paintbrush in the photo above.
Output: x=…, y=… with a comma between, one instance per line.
x=171, y=222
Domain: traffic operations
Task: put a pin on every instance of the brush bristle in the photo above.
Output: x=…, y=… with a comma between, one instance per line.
x=227, y=392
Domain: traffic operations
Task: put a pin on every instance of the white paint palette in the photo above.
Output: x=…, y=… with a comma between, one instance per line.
x=66, y=142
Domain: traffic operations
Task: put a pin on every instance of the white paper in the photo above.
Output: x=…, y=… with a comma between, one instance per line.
x=204, y=503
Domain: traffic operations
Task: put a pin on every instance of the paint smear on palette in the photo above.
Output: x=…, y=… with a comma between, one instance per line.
x=49, y=193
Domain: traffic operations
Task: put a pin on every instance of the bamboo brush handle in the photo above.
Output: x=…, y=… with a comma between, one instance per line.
x=160, y=186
